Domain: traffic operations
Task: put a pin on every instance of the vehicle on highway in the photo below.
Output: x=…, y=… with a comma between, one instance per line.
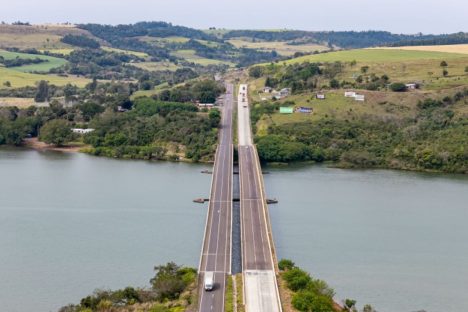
x=209, y=281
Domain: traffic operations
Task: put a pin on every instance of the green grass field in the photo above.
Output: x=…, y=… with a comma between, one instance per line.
x=157, y=66
x=53, y=62
x=406, y=66
x=391, y=105
x=281, y=47
x=138, y=54
x=190, y=56
x=376, y=55
x=20, y=79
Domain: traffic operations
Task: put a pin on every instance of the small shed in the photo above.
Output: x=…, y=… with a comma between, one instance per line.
x=285, y=92
x=350, y=94
x=286, y=110
x=304, y=110
x=320, y=96
x=411, y=86
x=267, y=90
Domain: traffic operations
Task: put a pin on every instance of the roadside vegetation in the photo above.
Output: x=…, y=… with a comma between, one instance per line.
x=307, y=294
x=172, y=289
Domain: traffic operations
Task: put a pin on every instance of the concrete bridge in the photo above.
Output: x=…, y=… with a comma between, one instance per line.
x=257, y=258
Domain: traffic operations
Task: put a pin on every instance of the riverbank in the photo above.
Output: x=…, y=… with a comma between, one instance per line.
x=34, y=143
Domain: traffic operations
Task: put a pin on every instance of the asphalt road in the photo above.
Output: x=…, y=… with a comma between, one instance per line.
x=216, y=251
x=260, y=287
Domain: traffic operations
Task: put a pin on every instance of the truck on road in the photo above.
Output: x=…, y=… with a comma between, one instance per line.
x=209, y=281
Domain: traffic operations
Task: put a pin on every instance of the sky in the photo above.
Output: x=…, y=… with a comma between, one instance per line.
x=397, y=16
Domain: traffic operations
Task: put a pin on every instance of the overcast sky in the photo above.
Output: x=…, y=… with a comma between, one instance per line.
x=399, y=16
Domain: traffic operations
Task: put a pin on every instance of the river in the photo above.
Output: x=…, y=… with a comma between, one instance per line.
x=71, y=223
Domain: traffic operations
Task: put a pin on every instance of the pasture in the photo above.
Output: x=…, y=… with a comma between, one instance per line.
x=157, y=66
x=451, y=48
x=281, y=47
x=20, y=79
x=400, y=65
x=190, y=56
x=376, y=55
x=136, y=53
x=52, y=62
x=41, y=37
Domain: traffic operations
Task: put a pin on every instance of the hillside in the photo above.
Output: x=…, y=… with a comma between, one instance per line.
x=391, y=126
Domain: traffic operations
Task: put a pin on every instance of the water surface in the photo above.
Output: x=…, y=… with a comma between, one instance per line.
x=71, y=223
x=396, y=240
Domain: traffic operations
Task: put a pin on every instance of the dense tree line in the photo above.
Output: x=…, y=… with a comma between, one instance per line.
x=80, y=41
x=145, y=131
x=342, y=39
x=458, y=38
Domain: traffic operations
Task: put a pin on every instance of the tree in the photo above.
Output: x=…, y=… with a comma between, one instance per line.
x=398, y=87
x=350, y=305
x=368, y=308
x=8, y=83
x=466, y=69
x=286, y=264
x=364, y=69
x=167, y=282
x=334, y=84
x=215, y=117
x=443, y=64
x=56, y=132
x=42, y=92
x=256, y=72
x=445, y=73
x=69, y=90
x=90, y=109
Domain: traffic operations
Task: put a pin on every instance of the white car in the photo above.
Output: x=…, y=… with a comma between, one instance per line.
x=209, y=281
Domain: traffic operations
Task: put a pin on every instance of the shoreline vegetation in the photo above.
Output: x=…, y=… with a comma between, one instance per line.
x=174, y=289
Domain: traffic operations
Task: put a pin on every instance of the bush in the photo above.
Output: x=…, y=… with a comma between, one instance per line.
x=286, y=264
x=307, y=301
x=56, y=132
x=398, y=87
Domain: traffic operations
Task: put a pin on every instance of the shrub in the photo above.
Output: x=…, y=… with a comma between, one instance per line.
x=398, y=87
x=286, y=264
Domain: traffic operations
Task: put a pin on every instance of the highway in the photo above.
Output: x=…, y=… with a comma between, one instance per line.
x=216, y=250
x=260, y=286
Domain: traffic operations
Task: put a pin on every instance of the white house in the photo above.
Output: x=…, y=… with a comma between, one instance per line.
x=267, y=90
x=350, y=94
x=360, y=97
x=82, y=131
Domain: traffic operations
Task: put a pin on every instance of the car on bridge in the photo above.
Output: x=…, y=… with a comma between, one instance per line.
x=209, y=281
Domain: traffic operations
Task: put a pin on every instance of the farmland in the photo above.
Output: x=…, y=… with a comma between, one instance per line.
x=451, y=48
x=281, y=47
x=399, y=65
x=20, y=79
x=190, y=56
x=376, y=55
x=51, y=62
x=41, y=37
